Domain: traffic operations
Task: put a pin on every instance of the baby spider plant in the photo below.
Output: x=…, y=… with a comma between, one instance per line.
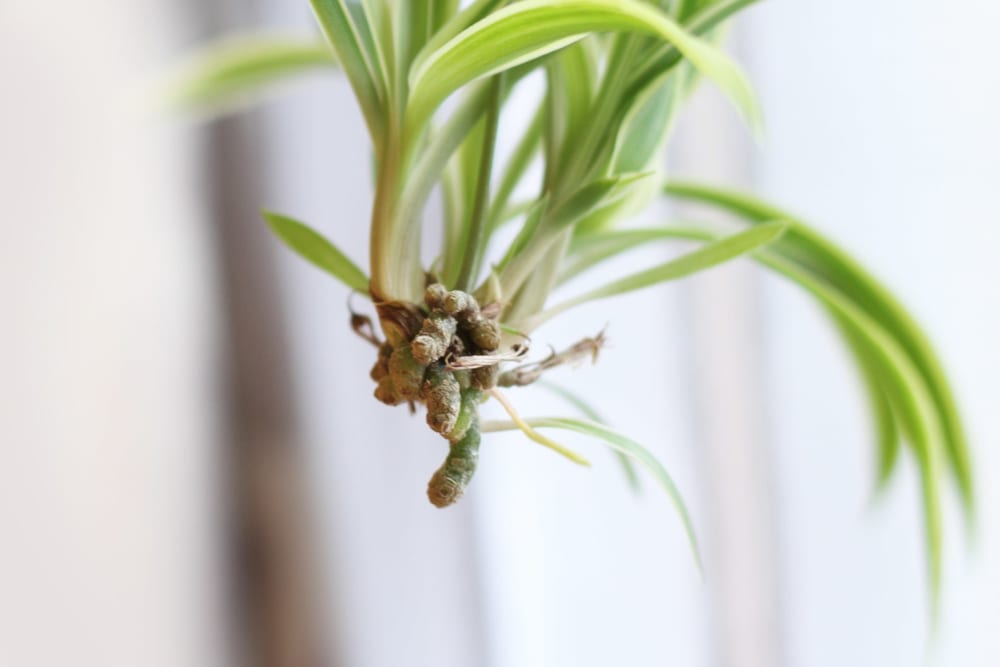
x=432, y=80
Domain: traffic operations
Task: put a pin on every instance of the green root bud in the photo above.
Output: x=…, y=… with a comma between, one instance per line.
x=449, y=482
x=434, y=338
x=443, y=397
x=406, y=372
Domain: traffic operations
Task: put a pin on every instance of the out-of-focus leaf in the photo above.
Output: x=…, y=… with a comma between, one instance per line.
x=314, y=247
x=238, y=71
x=589, y=250
x=821, y=257
x=713, y=254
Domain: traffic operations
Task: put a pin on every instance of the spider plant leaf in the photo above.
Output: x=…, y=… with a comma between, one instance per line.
x=443, y=144
x=551, y=227
x=441, y=12
x=822, y=257
x=350, y=35
x=589, y=250
x=594, y=196
x=910, y=396
x=315, y=248
x=887, y=434
x=570, y=75
x=514, y=170
x=475, y=12
x=532, y=220
x=626, y=446
x=712, y=254
x=910, y=404
x=593, y=415
x=663, y=58
x=238, y=71
x=646, y=130
x=529, y=29
x=593, y=249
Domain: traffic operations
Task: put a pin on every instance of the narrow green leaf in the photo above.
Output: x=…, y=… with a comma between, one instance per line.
x=315, y=248
x=910, y=396
x=532, y=220
x=442, y=145
x=477, y=225
x=476, y=11
x=514, y=170
x=570, y=75
x=350, y=40
x=237, y=71
x=887, y=435
x=626, y=446
x=589, y=250
x=593, y=415
x=644, y=133
x=442, y=11
x=529, y=29
x=821, y=256
x=664, y=58
x=594, y=196
x=899, y=381
x=544, y=237
x=713, y=254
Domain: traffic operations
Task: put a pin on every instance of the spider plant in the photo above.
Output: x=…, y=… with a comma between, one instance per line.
x=432, y=80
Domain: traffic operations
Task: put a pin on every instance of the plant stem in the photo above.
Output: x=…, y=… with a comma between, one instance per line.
x=475, y=241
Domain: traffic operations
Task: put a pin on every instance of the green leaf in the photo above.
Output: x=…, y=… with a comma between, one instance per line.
x=570, y=74
x=533, y=218
x=644, y=134
x=540, y=234
x=476, y=11
x=592, y=197
x=350, y=35
x=909, y=394
x=883, y=357
x=880, y=398
x=823, y=258
x=626, y=446
x=514, y=170
x=591, y=413
x=589, y=250
x=529, y=29
x=238, y=71
x=442, y=145
x=711, y=255
x=317, y=249
x=667, y=56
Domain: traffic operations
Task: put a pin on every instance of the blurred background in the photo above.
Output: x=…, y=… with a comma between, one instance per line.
x=194, y=473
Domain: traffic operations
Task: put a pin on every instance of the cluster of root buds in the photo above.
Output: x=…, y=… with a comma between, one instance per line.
x=445, y=355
